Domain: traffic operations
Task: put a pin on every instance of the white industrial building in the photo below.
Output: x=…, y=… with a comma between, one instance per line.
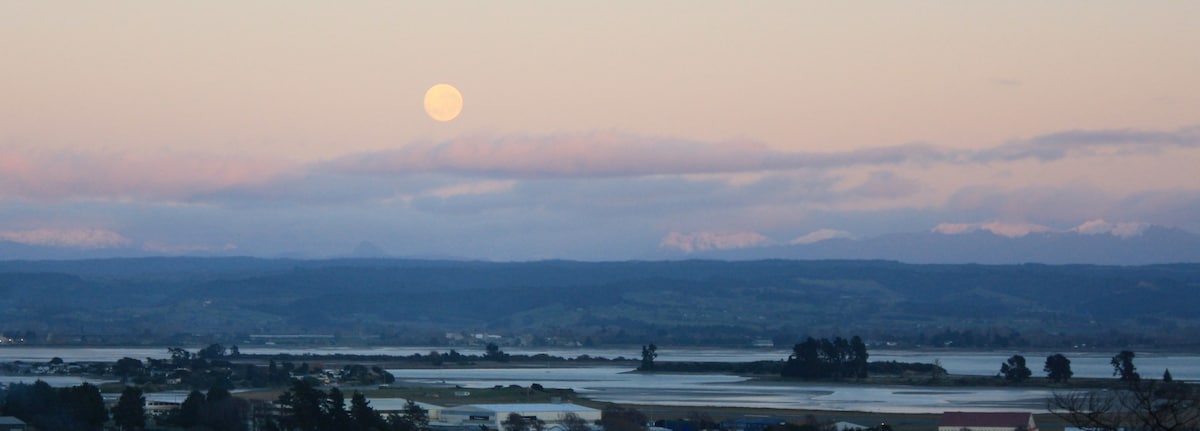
x=386, y=406
x=493, y=415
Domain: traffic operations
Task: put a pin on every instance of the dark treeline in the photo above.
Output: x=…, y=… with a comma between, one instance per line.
x=218, y=410
x=305, y=407
x=437, y=358
x=56, y=409
x=828, y=359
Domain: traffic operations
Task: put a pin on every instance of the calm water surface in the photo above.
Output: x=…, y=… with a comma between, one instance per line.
x=1084, y=364
x=614, y=383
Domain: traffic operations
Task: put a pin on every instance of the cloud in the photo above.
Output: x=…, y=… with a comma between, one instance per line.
x=150, y=176
x=607, y=154
x=821, y=235
x=955, y=228
x=885, y=184
x=702, y=241
x=1056, y=146
x=612, y=154
x=1121, y=229
x=85, y=239
x=473, y=188
x=1016, y=230
x=178, y=177
x=1011, y=230
x=533, y=195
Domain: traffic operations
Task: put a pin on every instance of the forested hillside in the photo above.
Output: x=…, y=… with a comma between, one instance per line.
x=680, y=302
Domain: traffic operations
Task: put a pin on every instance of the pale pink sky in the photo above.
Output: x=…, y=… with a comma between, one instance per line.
x=249, y=122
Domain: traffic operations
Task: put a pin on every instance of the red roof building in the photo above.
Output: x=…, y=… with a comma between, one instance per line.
x=987, y=421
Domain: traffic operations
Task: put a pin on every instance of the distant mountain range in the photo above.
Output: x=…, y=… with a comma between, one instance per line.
x=10, y=250
x=1153, y=245
x=703, y=302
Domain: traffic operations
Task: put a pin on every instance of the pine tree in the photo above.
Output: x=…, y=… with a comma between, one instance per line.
x=130, y=411
x=1123, y=366
x=365, y=417
x=191, y=410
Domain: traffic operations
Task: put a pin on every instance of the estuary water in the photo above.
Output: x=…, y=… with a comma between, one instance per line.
x=974, y=363
x=617, y=384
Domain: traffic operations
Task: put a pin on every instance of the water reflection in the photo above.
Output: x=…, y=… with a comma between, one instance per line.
x=1084, y=364
x=616, y=384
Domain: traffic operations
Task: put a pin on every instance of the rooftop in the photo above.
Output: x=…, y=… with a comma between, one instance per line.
x=985, y=419
x=543, y=407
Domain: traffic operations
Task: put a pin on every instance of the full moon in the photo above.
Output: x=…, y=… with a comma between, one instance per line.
x=443, y=102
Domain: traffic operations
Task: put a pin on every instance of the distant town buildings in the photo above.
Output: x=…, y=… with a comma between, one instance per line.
x=494, y=415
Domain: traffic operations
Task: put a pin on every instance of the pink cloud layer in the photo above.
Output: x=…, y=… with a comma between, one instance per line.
x=159, y=176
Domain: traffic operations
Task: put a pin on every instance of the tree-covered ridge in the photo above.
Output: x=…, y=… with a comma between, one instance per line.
x=676, y=302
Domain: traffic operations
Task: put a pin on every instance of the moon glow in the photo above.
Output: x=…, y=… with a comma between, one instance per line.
x=443, y=102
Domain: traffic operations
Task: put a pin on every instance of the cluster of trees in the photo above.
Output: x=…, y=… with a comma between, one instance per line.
x=616, y=418
x=438, y=358
x=1014, y=369
x=56, y=409
x=1123, y=366
x=306, y=408
x=217, y=409
x=649, y=353
x=495, y=354
x=1058, y=368
x=210, y=367
x=828, y=359
x=130, y=411
x=302, y=407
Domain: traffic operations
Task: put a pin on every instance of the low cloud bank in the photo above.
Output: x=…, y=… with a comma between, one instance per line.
x=83, y=239
x=704, y=241
x=1017, y=230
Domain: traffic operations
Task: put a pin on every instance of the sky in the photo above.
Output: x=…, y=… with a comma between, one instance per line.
x=590, y=130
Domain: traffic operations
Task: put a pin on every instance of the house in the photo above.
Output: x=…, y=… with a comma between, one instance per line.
x=9, y=423
x=987, y=421
x=493, y=416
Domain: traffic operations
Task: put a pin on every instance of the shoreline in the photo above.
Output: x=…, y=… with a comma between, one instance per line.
x=633, y=350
